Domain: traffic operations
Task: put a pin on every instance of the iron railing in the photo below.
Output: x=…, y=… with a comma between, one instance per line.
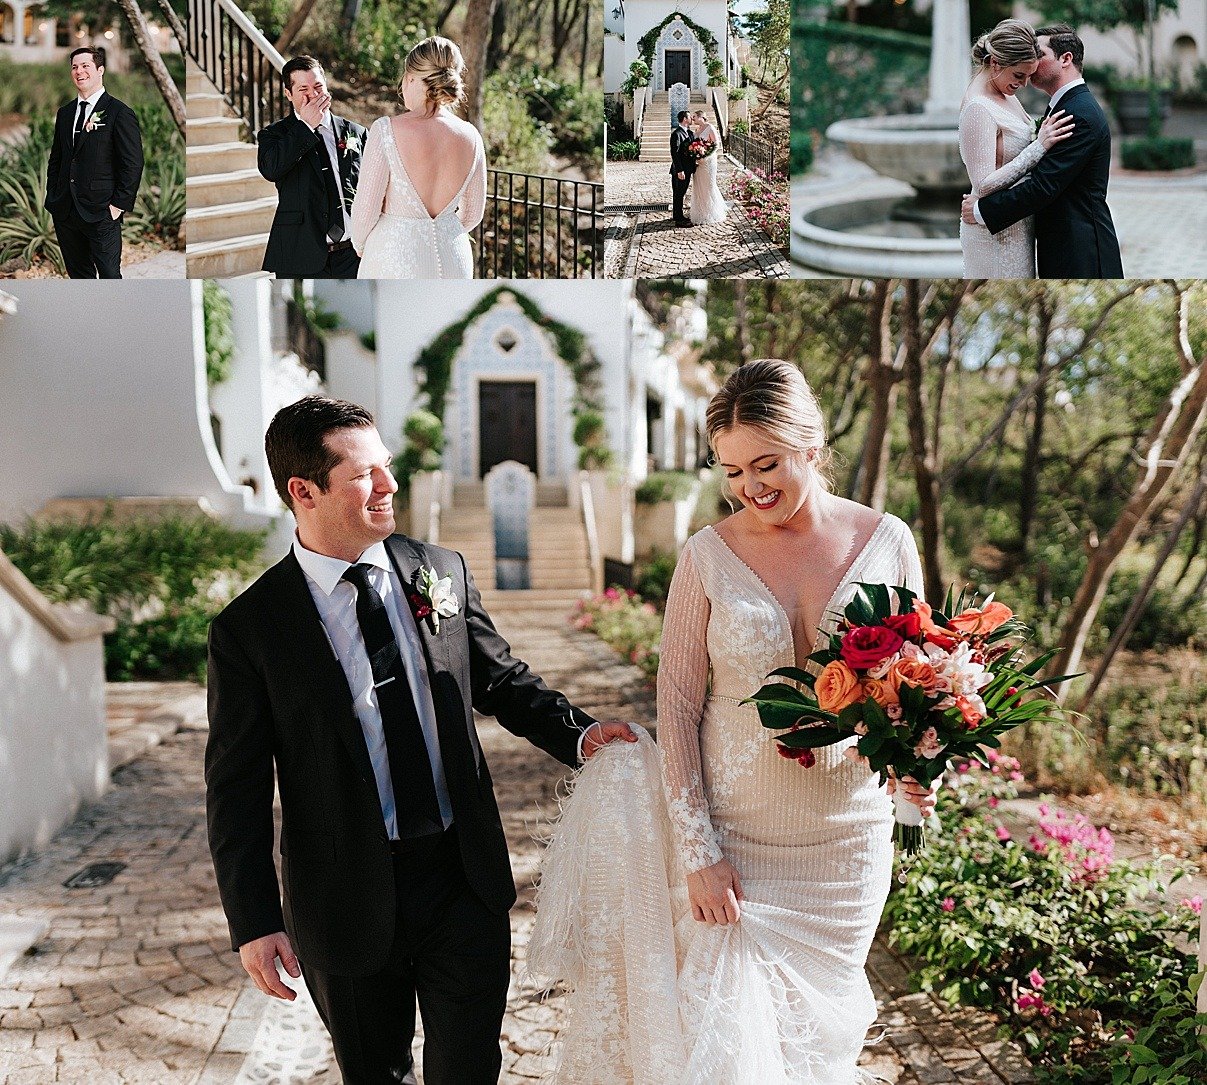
x=754, y=154
x=304, y=339
x=540, y=228
x=239, y=61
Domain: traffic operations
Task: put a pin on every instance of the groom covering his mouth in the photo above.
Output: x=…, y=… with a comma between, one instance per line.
x=347, y=677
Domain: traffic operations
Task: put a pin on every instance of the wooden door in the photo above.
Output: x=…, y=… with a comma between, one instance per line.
x=506, y=424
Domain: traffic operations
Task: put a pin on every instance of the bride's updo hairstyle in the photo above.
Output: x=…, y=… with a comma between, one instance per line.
x=772, y=397
x=1010, y=42
x=438, y=62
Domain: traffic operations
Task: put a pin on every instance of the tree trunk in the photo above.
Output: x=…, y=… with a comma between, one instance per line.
x=1170, y=437
x=741, y=322
x=926, y=473
x=1029, y=490
x=348, y=16
x=498, y=26
x=155, y=64
x=173, y=21
x=300, y=14
x=1140, y=601
x=882, y=374
x=479, y=16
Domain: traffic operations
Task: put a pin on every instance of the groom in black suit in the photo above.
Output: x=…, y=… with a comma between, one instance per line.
x=92, y=177
x=683, y=165
x=313, y=157
x=1066, y=192
x=353, y=667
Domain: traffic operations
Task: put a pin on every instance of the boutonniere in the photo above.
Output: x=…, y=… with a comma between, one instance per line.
x=352, y=143
x=433, y=598
x=97, y=120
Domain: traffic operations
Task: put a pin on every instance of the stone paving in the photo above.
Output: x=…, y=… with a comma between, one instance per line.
x=642, y=240
x=1161, y=219
x=134, y=980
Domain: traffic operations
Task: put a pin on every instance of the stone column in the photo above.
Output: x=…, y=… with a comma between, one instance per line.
x=950, y=48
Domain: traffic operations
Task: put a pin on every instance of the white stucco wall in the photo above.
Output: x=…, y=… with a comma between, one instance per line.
x=103, y=393
x=53, y=747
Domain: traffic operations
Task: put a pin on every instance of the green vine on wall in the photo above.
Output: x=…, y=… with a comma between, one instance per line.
x=219, y=334
x=648, y=42
x=435, y=361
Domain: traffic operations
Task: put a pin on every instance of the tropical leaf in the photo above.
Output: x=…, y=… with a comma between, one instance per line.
x=812, y=738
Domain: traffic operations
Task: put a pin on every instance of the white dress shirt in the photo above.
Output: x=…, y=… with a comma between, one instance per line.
x=976, y=207
x=91, y=100
x=326, y=132
x=335, y=599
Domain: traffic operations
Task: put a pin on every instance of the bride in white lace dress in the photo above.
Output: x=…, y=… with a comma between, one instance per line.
x=422, y=178
x=707, y=203
x=778, y=873
x=999, y=146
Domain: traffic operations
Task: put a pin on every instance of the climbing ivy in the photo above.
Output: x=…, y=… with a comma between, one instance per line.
x=648, y=41
x=219, y=336
x=435, y=361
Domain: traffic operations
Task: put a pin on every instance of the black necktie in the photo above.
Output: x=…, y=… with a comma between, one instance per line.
x=415, y=804
x=79, y=122
x=335, y=207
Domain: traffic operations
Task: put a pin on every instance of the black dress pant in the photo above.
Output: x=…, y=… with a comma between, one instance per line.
x=91, y=250
x=341, y=264
x=679, y=189
x=451, y=953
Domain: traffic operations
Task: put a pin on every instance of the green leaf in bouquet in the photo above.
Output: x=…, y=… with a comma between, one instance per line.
x=1038, y=663
x=794, y=673
x=912, y=698
x=850, y=716
x=871, y=743
x=949, y=600
x=812, y=738
x=859, y=611
x=905, y=598
x=878, y=598
x=875, y=717
x=779, y=693
x=823, y=656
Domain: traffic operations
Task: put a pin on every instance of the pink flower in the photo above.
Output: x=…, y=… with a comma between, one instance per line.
x=929, y=744
x=948, y=905
x=1195, y=904
x=992, y=802
x=1029, y=1000
x=1003, y=834
x=1035, y=979
x=611, y=593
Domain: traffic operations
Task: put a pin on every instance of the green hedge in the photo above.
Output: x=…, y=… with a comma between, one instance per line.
x=1158, y=153
x=665, y=486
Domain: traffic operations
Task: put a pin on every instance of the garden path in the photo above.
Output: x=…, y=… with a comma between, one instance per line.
x=642, y=240
x=134, y=981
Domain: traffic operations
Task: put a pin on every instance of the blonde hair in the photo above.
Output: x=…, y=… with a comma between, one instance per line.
x=1010, y=42
x=438, y=62
x=772, y=397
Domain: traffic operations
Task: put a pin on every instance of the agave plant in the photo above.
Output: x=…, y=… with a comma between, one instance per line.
x=27, y=229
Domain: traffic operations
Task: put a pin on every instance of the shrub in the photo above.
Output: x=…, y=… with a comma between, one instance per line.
x=571, y=113
x=161, y=203
x=1166, y=622
x=162, y=579
x=514, y=139
x=618, y=127
x=1158, y=153
x=654, y=578
x=424, y=443
x=622, y=620
x=740, y=128
x=1055, y=929
x=639, y=76
x=27, y=228
x=665, y=486
x=219, y=331
x=624, y=150
x=765, y=198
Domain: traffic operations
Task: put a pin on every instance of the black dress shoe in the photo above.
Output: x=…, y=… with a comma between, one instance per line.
x=683, y=222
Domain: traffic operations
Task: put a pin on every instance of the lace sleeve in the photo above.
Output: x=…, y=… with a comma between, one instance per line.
x=978, y=148
x=371, y=189
x=682, y=690
x=473, y=199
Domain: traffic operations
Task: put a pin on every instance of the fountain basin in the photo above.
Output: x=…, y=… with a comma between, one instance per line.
x=923, y=150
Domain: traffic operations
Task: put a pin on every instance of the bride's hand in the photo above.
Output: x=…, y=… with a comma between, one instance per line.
x=1056, y=126
x=715, y=892
x=923, y=798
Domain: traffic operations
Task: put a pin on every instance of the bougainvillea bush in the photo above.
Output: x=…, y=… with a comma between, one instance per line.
x=765, y=198
x=622, y=619
x=1090, y=958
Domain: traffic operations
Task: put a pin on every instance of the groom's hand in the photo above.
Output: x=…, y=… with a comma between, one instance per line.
x=311, y=112
x=600, y=734
x=966, y=211
x=259, y=959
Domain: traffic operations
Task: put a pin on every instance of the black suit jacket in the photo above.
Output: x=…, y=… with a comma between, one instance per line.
x=278, y=699
x=103, y=168
x=681, y=161
x=294, y=159
x=1066, y=192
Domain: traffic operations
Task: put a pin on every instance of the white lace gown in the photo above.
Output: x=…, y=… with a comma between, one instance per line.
x=395, y=234
x=707, y=203
x=780, y=998
x=1009, y=254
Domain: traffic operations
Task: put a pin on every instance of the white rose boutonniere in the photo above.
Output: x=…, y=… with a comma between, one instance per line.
x=97, y=120
x=351, y=145
x=434, y=598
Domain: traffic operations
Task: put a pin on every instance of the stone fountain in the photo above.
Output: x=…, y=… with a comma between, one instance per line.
x=886, y=229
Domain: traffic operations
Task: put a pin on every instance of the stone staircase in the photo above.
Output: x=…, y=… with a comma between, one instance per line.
x=656, y=126
x=230, y=206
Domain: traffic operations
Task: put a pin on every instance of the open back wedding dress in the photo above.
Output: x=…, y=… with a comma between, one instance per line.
x=395, y=234
x=707, y=203
x=1010, y=253
x=780, y=997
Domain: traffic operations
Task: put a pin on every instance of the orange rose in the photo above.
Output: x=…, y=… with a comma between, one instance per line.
x=836, y=687
x=984, y=621
x=913, y=673
x=881, y=691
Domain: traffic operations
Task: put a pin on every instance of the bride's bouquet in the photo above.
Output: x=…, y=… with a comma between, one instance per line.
x=701, y=147
x=916, y=687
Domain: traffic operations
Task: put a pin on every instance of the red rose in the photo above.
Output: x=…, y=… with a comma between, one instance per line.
x=866, y=645
x=908, y=625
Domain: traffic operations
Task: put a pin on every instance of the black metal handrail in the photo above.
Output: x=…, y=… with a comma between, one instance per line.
x=752, y=153
x=239, y=61
x=304, y=339
x=540, y=228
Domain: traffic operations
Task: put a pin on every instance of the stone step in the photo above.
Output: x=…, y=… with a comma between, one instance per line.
x=206, y=103
x=196, y=81
x=553, y=600
x=219, y=158
x=212, y=189
x=225, y=221
x=208, y=131
x=227, y=259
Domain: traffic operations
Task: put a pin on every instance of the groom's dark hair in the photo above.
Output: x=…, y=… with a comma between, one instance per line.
x=295, y=442
x=94, y=51
x=680, y=115
x=1062, y=39
x=299, y=64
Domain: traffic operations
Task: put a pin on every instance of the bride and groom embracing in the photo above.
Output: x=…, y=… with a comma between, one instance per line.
x=395, y=202
x=1038, y=200
x=695, y=149
x=348, y=674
